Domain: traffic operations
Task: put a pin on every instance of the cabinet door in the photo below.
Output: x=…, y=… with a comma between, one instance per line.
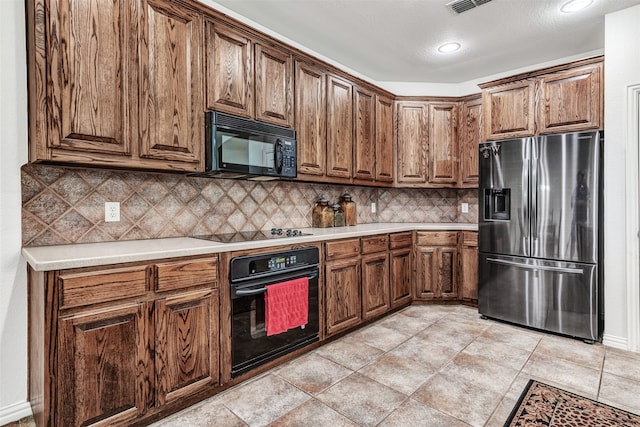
x=426, y=272
x=469, y=266
x=401, y=277
x=339, y=127
x=375, y=285
x=570, y=101
x=229, y=71
x=88, y=71
x=170, y=116
x=412, y=142
x=342, y=302
x=437, y=269
x=384, y=139
x=470, y=138
x=311, y=119
x=364, y=158
x=104, y=366
x=447, y=273
x=443, y=143
x=187, y=349
x=274, y=86
x=508, y=111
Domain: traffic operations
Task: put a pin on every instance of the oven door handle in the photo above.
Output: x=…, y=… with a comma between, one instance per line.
x=251, y=291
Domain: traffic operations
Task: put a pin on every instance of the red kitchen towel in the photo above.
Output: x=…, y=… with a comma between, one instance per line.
x=286, y=305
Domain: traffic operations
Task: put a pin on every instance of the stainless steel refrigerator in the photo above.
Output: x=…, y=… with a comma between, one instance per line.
x=540, y=233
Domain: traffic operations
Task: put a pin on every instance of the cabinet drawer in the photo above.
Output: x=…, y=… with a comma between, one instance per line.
x=186, y=274
x=342, y=248
x=92, y=287
x=400, y=240
x=374, y=244
x=437, y=238
x=469, y=238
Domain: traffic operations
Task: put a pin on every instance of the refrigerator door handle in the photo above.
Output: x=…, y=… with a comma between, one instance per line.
x=533, y=211
x=536, y=267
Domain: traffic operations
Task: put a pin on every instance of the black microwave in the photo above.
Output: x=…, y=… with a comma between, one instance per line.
x=236, y=147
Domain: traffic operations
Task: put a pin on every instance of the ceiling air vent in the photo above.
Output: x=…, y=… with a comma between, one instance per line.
x=459, y=6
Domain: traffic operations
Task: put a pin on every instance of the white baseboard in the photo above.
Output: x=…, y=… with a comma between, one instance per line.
x=616, y=342
x=14, y=412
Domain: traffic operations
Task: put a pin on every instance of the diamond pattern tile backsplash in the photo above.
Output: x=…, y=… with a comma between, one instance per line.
x=66, y=205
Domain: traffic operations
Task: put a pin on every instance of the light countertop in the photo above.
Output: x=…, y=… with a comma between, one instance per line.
x=59, y=257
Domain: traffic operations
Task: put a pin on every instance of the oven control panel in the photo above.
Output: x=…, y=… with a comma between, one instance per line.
x=246, y=267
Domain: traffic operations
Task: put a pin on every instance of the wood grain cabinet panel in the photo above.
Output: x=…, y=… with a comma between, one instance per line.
x=229, y=70
x=310, y=119
x=185, y=274
x=401, y=276
x=384, y=139
x=171, y=120
x=375, y=285
x=469, y=266
x=104, y=374
x=273, y=85
x=346, y=248
x=412, y=129
x=437, y=266
x=339, y=127
x=469, y=137
x=570, y=100
x=186, y=344
x=343, y=306
x=364, y=156
x=508, y=110
x=443, y=143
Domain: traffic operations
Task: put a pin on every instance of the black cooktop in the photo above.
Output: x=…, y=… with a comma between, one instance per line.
x=250, y=236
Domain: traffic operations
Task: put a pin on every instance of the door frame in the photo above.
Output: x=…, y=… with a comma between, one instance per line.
x=633, y=218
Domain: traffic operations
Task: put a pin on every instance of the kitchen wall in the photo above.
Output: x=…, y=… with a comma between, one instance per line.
x=66, y=205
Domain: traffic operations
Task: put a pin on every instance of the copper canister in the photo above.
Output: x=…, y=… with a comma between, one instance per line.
x=322, y=215
x=349, y=209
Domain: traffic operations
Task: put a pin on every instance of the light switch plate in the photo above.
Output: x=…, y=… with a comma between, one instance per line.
x=111, y=211
x=373, y=207
x=464, y=207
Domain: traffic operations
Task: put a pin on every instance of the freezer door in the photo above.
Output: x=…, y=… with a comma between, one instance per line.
x=503, y=217
x=549, y=295
x=564, y=197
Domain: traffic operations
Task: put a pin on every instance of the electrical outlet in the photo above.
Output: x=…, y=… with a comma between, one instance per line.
x=373, y=207
x=111, y=211
x=464, y=207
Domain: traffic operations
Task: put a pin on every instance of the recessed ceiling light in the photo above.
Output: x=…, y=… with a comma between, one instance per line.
x=575, y=5
x=449, y=47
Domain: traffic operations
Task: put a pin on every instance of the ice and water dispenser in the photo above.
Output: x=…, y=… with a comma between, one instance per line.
x=497, y=204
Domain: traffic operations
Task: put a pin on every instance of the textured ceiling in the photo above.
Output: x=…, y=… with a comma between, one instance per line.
x=397, y=40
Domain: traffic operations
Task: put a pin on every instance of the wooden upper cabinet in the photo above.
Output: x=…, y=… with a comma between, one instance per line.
x=469, y=137
x=274, y=86
x=229, y=70
x=412, y=142
x=339, y=127
x=364, y=158
x=170, y=118
x=310, y=118
x=443, y=143
x=509, y=111
x=384, y=139
x=570, y=100
x=87, y=62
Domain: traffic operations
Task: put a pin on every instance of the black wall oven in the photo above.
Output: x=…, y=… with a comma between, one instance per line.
x=249, y=278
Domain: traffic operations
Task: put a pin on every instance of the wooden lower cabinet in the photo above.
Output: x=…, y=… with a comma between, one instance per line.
x=401, y=276
x=103, y=373
x=469, y=266
x=437, y=266
x=375, y=285
x=343, y=306
x=186, y=344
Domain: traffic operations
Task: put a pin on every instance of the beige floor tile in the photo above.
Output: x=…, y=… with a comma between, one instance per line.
x=424, y=312
x=362, y=399
x=312, y=373
x=210, y=414
x=620, y=392
x=564, y=374
x=623, y=364
x=572, y=350
x=445, y=336
x=349, y=352
x=481, y=372
x=512, y=335
x=313, y=413
x=399, y=373
x=498, y=352
x=262, y=401
x=414, y=413
x=381, y=337
x=506, y=405
x=406, y=324
x=425, y=352
x=462, y=400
